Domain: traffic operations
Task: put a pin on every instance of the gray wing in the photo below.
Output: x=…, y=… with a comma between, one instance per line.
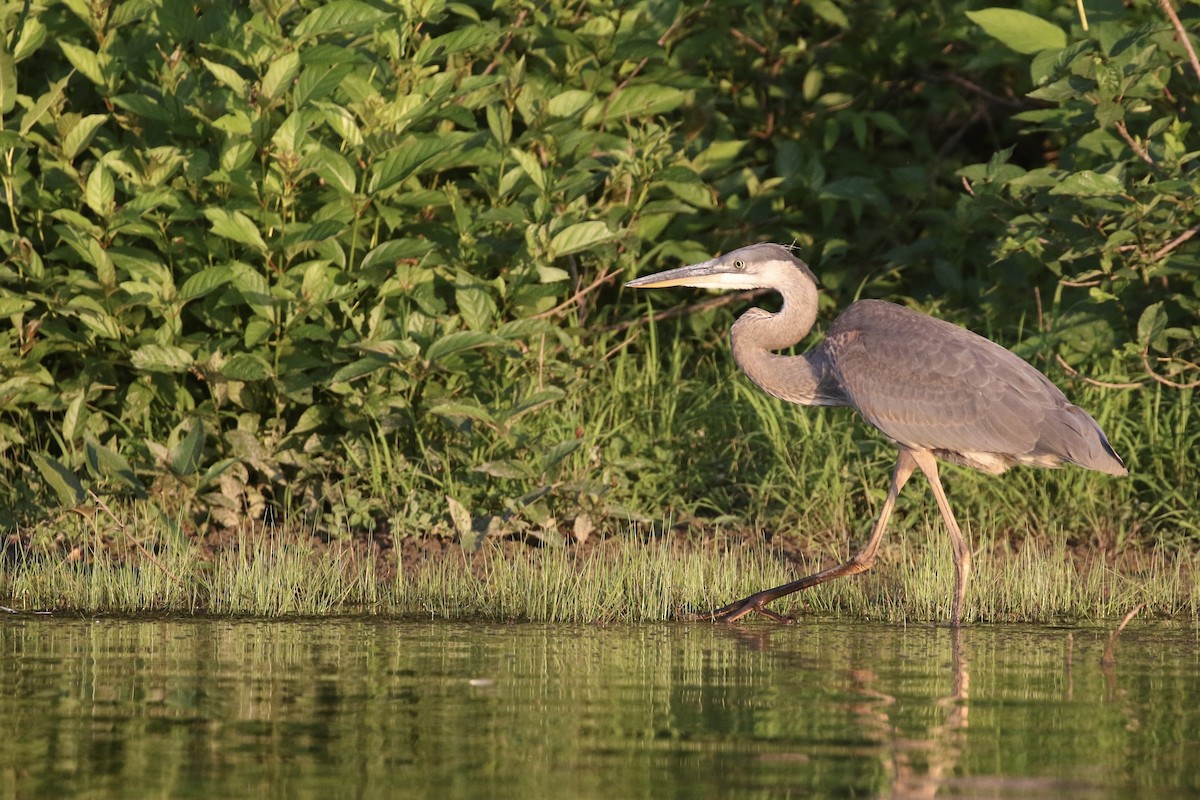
x=929, y=384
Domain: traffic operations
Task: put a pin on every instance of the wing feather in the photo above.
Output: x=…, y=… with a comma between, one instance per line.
x=929, y=384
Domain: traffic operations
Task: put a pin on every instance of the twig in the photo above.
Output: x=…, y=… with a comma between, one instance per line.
x=579, y=295
x=1133, y=143
x=646, y=60
x=1109, y=658
x=1074, y=373
x=971, y=86
x=681, y=311
x=1178, y=240
x=121, y=525
x=1182, y=34
x=507, y=41
x=1167, y=381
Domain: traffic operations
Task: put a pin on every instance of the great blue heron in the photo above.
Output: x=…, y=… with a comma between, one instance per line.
x=935, y=389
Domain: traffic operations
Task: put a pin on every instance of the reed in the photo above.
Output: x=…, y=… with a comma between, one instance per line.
x=626, y=578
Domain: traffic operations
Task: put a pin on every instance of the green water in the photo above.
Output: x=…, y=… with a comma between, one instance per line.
x=369, y=708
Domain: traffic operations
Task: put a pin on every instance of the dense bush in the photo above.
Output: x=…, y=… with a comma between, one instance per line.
x=362, y=260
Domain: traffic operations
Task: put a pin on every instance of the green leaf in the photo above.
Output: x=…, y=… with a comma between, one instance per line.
x=8, y=78
x=161, y=358
x=226, y=75
x=236, y=226
x=506, y=468
x=33, y=36
x=457, y=342
x=44, y=103
x=340, y=15
x=531, y=167
x=1151, y=325
x=463, y=410
x=580, y=236
x=100, y=191
x=360, y=367
x=205, y=281
x=103, y=462
x=455, y=41
x=81, y=134
x=60, y=478
x=316, y=82
x=569, y=103
x=280, y=75
x=84, y=61
x=1087, y=183
x=639, y=101
x=390, y=253
x=474, y=302
x=186, y=455
x=246, y=367
x=828, y=11
x=10, y=305
x=404, y=160
x=1019, y=30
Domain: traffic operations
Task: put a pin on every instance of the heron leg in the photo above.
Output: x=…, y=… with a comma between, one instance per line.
x=962, y=553
x=859, y=562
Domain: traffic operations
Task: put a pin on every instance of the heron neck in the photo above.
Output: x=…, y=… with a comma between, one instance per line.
x=801, y=379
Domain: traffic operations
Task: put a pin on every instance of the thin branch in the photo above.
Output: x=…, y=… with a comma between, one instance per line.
x=507, y=41
x=1110, y=657
x=1133, y=143
x=1182, y=34
x=681, y=311
x=1074, y=373
x=121, y=525
x=1167, y=381
x=971, y=86
x=579, y=295
x=1178, y=240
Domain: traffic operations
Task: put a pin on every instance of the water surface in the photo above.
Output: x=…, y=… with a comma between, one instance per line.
x=373, y=708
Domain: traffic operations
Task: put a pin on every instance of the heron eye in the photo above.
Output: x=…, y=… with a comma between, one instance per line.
x=739, y=264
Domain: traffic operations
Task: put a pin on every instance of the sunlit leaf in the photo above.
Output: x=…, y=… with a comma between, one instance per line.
x=161, y=358
x=459, y=341
x=1019, y=30
x=205, y=281
x=580, y=236
x=280, y=75
x=339, y=15
x=1151, y=326
x=8, y=79
x=1088, y=183
x=637, y=101
x=236, y=226
x=246, y=367
x=226, y=75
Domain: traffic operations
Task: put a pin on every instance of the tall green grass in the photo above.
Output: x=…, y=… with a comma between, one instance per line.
x=626, y=578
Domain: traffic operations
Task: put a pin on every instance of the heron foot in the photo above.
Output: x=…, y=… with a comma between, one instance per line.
x=738, y=609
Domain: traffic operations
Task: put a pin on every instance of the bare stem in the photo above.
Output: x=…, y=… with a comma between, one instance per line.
x=149, y=556
x=1074, y=373
x=1169, y=10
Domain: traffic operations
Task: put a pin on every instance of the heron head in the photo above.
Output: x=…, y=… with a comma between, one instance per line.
x=758, y=266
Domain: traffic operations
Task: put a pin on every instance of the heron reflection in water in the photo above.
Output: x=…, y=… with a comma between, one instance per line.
x=934, y=389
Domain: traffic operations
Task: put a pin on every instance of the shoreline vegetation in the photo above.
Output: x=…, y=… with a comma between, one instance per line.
x=625, y=577
x=318, y=307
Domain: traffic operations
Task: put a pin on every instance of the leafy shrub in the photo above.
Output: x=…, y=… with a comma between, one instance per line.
x=361, y=259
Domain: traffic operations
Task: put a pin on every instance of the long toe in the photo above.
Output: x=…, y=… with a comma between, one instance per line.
x=736, y=610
